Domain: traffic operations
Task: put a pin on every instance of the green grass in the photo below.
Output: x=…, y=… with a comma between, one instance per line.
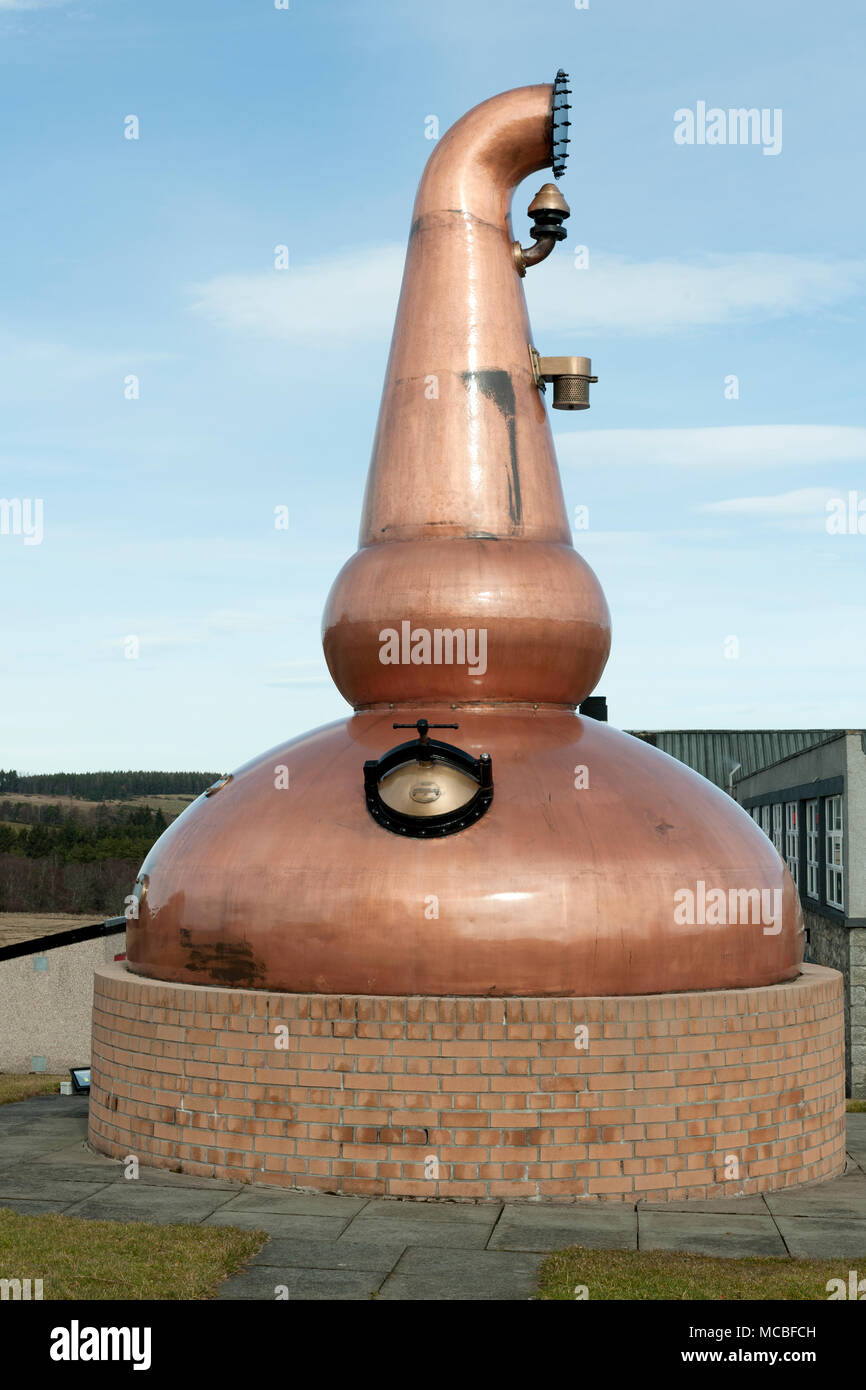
x=855, y=1107
x=661, y=1275
x=16, y=1085
x=79, y=1259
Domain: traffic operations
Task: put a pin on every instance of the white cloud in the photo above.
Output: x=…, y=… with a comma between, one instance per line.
x=352, y=297
x=803, y=502
x=237, y=620
x=619, y=295
x=726, y=447
x=308, y=671
x=31, y=4
x=23, y=356
x=193, y=631
x=323, y=679
x=349, y=298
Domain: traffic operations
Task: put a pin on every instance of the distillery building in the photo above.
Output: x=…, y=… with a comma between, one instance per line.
x=806, y=789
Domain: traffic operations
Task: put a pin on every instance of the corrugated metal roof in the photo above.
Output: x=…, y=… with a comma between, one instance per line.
x=715, y=752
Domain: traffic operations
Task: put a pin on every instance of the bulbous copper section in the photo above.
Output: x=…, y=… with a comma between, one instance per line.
x=539, y=606
x=561, y=889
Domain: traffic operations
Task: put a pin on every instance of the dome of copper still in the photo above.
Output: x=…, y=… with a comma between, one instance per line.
x=533, y=852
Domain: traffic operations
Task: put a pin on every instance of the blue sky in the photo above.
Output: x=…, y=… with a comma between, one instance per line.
x=258, y=388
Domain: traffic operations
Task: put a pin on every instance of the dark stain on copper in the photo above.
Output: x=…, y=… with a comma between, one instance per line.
x=230, y=962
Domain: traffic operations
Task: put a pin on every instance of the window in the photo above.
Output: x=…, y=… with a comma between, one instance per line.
x=756, y=814
x=833, y=849
x=812, y=849
x=777, y=827
x=792, y=841
x=765, y=819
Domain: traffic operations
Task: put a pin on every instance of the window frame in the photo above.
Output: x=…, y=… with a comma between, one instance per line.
x=834, y=863
x=818, y=882
x=792, y=840
x=813, y=861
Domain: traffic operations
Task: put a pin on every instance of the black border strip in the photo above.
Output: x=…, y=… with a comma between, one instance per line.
x=808, y=791
x=38, y=945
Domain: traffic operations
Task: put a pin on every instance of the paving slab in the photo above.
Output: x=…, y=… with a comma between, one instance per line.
x=71, y=1126
x=829, y=1238
x=129, y=1201
x=35, y=1207
x=290, y=1227
x=458, y=1234
x=48, y=1176
x=542, y=1228
x=282, y=1253
x=34, y=1187
x=20, y=1146
x=841, y=1197
x=399, y=1208
x=725, y=1206
x=45, y=1107
x=268, y=1199
x=434, y=1274
x=302, y=1285
x=328, y=1247
x=464, y=1225
x=164, y=1177
x=77, y=1155
x=710, y=1233
x=23, y=1114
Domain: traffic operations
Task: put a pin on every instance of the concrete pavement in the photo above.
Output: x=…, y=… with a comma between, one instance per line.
x=331, y=1247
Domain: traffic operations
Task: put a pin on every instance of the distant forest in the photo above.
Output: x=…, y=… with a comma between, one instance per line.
x=84, y=857
x=107, y=786
x=47, y=885
x=73, y=837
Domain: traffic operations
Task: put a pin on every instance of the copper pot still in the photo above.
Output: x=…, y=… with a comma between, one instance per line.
x=501, y=843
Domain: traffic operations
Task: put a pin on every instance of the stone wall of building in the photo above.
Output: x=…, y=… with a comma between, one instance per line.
x=857, y=1039
x=829, y=946
x=661, y=1096
x=855, y=827
x=837, y=944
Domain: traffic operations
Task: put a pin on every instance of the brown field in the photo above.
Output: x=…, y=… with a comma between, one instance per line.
x=24, y=926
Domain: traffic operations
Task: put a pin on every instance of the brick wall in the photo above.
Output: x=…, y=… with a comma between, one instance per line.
x=475, y=1098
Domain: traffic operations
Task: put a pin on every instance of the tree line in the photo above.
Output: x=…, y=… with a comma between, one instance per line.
x=71, y=838
x=107, y=786
x=98, y=889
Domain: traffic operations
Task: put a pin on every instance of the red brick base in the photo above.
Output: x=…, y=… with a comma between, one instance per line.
x=655, y=1096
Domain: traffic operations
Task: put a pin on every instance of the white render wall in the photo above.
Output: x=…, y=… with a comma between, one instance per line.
x=46, y=1013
